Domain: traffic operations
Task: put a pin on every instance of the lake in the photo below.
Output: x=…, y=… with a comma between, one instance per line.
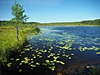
x=60, y=49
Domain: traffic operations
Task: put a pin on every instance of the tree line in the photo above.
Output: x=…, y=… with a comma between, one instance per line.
x=5, y=22
x=85, y=22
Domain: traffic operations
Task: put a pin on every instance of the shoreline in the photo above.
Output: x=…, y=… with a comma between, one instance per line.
x=70, y=25
x=10, y=46
x=3, y=66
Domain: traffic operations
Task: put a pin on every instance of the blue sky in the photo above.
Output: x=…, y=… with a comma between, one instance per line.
x=54, y=10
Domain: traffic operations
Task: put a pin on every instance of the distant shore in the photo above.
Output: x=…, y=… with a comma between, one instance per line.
x=68, y=25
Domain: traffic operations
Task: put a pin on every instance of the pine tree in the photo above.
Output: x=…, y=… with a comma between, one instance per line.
x=19, y=17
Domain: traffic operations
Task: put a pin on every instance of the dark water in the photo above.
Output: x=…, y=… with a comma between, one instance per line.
x=59, y=49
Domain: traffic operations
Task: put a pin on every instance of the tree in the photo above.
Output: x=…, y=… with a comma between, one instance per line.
x=19, y=17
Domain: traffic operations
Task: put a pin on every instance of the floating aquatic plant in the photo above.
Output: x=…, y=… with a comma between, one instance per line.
x=32, y=65
x=9, y=64
x=52, y=68
x=26, y=60
x=17, y=59
x=37, y=63
x=61, y=62
x=11, y=58
x=72, y=54
x=26, y=49
x=20, y=70
x=97, y=52
x=69, y=58
x=47, y=61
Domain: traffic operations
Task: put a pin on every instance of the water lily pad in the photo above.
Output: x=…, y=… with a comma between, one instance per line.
x=72, y=54
x=97, y=52
x=33, y=65
x=17, y=59
x=20, y=63
x=70, y=48
x=63, y=54
x=40, y=56
x=47, y=61
x=52, y=68
x=44, y=51
x=58, y=54
x=20, y=70
x=26, y=49
x=62, y=62
x=49, y=56
x=31, y=47
x=32, y=61
x=28, y=45
x=22, y=52
x=48, y=51
x=55, y=57
x=37, y=63
x=39, y=53
x=9, y=64
x=34, y=57
x=69, y=58
x=26, y=60
x=54, y=60
x=11, y=58
x=58, y=61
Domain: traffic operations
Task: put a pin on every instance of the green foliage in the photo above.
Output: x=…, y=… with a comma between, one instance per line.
x=91, y=22
x=17, y=12
x=35, y=30
x=19, y=17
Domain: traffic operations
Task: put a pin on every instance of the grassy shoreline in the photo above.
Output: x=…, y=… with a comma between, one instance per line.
x=8, y=41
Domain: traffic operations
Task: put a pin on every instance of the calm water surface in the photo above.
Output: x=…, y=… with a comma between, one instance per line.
x=63, y=48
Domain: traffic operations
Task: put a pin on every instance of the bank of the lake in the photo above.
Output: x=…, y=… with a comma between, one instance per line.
x=65, y=24
x=9, y=45
x=8, y=42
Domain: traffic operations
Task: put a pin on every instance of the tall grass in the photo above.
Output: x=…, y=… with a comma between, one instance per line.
x=8, y=41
